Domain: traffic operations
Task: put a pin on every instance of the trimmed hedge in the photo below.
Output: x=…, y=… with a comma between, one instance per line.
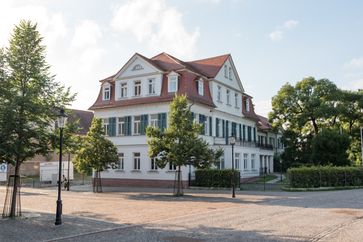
x=215, y=178
x=325, y=176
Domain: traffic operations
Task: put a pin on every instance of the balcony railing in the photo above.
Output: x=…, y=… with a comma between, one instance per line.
x=222, y=141
x=265, y=146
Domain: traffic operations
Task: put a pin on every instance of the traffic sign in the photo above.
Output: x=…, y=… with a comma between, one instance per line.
x=3, y=168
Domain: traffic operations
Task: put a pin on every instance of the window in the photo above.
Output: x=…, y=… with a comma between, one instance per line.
x=123, y=89
x=106, y=125
x=154, y=120
x=219, y=94
x=272, y=142
x=236, y=100
x=247, y=104
x=200, y=87
x=172, y=167
x=151, y=86
x=137, y=125
x=225, y=71
x=230, y=73
x=236, y=160
x=137, y=88
x=222, y=163
x=253, y=166
x=228, y=97
x=106, y=92
x=153, y=165
x=121, y=165
x=121, y=126
x=245, y=160
x=137, y=161
x=172, y=83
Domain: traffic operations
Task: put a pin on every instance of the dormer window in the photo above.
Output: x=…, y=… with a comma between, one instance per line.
x=230, y=73
x=247, y=104
x=225, y=71
x=200, y=86
x=106, y=92
x=123, y=90
x=172, y=83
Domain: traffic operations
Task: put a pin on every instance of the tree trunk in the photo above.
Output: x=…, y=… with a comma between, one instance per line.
x=15, y=190
x=179, y=189
x=316, y=129
x=97, y=186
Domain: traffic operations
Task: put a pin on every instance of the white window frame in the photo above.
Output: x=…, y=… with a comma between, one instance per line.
x=137, y=88
x=219, y=93
x=151, y=86
x=236, y=160
x=228, y=97
x=121, y=161
x=225, y=71
x=137, y=125
x=236, y=99
x=106, y=125
x=154, y=121
x=106, y=89
x=120, y=124
x=123, y=89
x=253, y=160
x=137, y=159
x=172, y=167
x=230, y=73
x=153, y=166
x=247, y=104
x=201, y=87
x=172, y=79
x=245, y=161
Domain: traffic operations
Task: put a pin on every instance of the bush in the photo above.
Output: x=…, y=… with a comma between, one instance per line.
x=325, y=176
x=215, y=178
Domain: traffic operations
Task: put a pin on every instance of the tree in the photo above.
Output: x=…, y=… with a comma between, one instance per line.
x=330, y=148
x=304, y=110
x=96, y=153
x=180, y=144
x=29, y=96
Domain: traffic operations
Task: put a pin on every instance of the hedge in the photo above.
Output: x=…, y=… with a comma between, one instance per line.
x=215, y=178
x=324, y=176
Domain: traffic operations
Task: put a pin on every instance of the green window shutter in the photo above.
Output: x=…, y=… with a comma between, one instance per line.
x=217, y=129
x=249, y=135
x=159, y=120
x=128, y=125
x=223, y=128
x=210, y=127
x=254, y=134
x=234, y=129
x=244, y=132
x=227, y=133
x=162, y=121
x=112, y=126
x=202, y=122
x=240, y=132
x=144, y=123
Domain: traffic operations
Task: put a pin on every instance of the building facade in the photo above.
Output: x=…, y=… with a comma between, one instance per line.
x=139, y=94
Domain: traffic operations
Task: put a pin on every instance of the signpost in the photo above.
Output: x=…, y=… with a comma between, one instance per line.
x=3, y=171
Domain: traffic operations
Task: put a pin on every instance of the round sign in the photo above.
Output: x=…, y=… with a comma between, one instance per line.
x=3, y=167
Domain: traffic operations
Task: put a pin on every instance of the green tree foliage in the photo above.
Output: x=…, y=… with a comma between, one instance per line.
x=96, y=152
x=330, y=147
x=304, y=110
x=29, y=96
x=180, y=143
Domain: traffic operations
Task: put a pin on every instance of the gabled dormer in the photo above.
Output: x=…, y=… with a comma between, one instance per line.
x=228, y=75
x=106, y=91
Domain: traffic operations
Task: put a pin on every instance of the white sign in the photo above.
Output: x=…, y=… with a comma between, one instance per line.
x=3, y=168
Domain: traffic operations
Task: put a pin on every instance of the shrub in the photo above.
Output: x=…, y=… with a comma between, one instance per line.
x=325, y=176
x=215, y=178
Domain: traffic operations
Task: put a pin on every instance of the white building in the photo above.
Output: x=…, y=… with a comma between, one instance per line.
x=139, y=95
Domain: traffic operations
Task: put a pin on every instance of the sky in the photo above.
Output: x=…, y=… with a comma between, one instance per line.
x=272, y=42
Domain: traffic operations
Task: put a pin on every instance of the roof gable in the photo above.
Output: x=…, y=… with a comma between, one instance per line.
x=229, y=79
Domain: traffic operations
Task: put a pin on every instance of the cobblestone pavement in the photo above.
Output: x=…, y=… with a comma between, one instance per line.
x=155, y=215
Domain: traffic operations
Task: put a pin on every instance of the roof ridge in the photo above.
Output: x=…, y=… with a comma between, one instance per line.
x=176, y=60
x=213, y=57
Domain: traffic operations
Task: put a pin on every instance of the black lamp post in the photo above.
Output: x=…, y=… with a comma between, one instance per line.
x=280, y=169
x=232, y=141
x=61, y=120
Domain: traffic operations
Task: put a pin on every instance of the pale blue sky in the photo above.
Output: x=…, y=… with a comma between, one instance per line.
x=271, y=42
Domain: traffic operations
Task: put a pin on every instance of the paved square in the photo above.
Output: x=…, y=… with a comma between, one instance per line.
x=155, y=215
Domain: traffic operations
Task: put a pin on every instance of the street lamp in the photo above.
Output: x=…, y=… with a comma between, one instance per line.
x=232, y=141
x=61, y=120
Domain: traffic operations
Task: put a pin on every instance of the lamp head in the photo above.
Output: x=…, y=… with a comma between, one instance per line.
x=62, y=118
x=232, y=140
